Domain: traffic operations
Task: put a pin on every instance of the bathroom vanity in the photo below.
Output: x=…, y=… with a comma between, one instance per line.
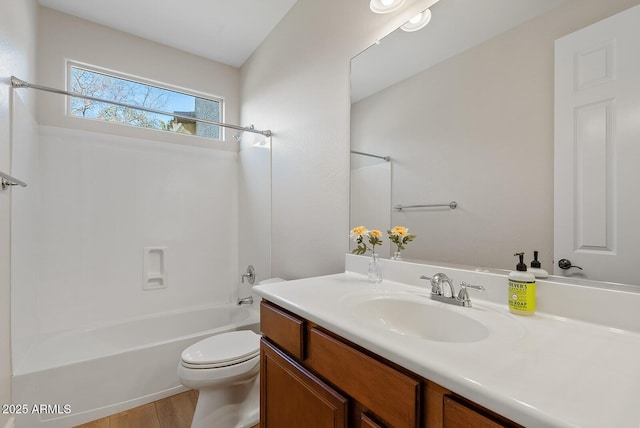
x=339, y=351
x=312, y=377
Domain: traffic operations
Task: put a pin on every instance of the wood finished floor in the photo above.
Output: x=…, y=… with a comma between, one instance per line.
x=171, y=412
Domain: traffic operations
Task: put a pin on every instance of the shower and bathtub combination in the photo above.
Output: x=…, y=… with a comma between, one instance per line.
x=90, y=373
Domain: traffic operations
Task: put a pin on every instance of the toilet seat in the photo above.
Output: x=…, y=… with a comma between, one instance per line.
x=222, y=350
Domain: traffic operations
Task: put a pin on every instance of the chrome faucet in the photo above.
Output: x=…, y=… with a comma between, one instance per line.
x=245, y=301
x=437, y=293
x=448, y=281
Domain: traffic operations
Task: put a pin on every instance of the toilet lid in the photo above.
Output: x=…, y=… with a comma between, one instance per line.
x=222, y=350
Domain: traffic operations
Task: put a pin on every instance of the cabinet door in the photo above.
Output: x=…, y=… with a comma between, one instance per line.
x=291, y=397
x=458, y=415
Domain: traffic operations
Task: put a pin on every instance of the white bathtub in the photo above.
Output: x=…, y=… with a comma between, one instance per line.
x=86, y=374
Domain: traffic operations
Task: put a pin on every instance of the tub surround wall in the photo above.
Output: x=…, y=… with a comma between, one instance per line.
x=18, y=22
x=297, y=82
x=104, y=199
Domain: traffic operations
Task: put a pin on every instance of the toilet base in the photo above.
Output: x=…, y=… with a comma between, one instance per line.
x=232, y=406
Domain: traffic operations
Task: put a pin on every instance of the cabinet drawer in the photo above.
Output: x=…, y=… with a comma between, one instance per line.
x=283, y=328
x=367, y=422
x=390, y=395
x=458, y=415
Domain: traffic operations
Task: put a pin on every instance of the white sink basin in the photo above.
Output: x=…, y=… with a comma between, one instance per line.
x=419, y=318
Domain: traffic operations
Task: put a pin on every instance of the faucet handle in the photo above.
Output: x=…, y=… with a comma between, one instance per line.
x=464, y=285
x=435, y=284
x=250, y=275
x=463, y=295
x=436, y=281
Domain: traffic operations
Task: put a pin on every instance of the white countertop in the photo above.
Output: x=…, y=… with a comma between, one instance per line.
x=540, y=371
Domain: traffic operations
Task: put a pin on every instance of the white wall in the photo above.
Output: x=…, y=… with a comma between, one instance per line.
x=63, y=37
x=478, y=129
x=297, y=84
x=18, y=22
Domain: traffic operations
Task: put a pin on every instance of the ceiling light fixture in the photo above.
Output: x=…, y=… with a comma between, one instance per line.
x=418, y=22
x=385, y=6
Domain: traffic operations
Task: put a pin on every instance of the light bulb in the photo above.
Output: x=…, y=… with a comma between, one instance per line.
x=385, y=6
x=417, y=22
x=416, y=18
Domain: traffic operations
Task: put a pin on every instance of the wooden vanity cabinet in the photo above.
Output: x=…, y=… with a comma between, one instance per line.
x=313, y=378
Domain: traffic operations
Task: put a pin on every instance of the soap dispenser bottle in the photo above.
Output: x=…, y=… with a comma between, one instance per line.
x=522, y=289
x=536, y=267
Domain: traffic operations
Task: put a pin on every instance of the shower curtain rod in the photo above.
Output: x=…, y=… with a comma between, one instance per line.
x=8, y=180
x=18, y=83
x=385, y=158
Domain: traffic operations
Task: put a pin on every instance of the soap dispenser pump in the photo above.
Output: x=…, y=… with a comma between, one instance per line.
x=522, y=289
x=536, y=267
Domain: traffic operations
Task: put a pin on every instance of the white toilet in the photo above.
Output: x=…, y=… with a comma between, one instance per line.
x=225, y=369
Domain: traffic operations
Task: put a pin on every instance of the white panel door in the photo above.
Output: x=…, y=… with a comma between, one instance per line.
x=597, y=150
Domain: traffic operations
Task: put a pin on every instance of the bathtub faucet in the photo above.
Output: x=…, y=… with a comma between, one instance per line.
x=246, y=301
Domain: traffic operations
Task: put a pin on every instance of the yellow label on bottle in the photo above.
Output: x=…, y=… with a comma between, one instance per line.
x=522, y=296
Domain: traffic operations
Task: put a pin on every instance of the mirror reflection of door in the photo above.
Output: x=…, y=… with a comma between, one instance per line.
x=597, y=149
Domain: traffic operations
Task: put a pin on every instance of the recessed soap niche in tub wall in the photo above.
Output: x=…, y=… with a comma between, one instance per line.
x=155, y=268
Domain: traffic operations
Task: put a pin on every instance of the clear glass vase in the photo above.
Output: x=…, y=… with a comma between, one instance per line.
x=397, y=256
x=374, y=274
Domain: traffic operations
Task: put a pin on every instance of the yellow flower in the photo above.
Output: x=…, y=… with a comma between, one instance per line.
x=399, y=235
x=360, y=230
x=361, y=236
x=400, y=231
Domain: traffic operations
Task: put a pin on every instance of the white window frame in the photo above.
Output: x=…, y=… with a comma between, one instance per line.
x=144, y=81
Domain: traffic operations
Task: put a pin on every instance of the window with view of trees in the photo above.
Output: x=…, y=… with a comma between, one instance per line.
x=126, y=91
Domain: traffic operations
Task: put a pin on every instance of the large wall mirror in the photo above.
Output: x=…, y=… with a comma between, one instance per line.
x=464, y=111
